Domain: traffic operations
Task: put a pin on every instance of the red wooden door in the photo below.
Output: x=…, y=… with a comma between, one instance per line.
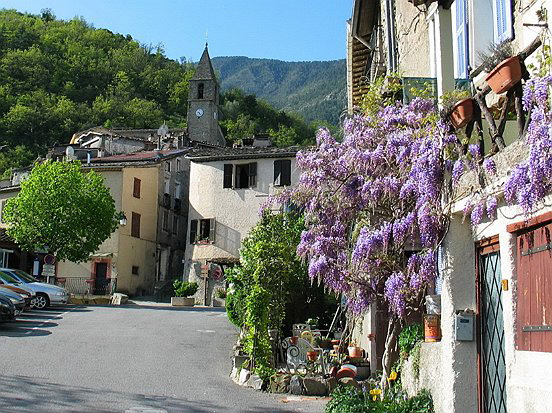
x=534, y=290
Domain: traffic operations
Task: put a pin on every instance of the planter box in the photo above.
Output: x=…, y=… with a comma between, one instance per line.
x=218, y=302
x=183, y=301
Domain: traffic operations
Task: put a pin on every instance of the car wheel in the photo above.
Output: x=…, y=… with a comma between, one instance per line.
x=41, y=301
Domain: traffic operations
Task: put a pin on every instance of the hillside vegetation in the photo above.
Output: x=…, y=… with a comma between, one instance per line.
x=314, y=90
x=58, y=77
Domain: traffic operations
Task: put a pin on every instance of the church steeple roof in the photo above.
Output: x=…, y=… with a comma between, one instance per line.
x=204, y=69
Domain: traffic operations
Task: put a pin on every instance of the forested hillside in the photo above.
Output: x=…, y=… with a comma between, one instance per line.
x=58, y=77
x=314, y=90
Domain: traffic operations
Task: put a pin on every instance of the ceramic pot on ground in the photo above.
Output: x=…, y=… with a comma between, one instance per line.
x=293, y=340
x=505, y=75
x=462, y=113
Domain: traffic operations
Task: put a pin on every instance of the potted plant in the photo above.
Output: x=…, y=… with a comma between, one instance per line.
x=458, y=107
x=503, y=68
x=219, y=300
x=183, y=291
x=322, y=342
x=312, y=355
x=355, y=352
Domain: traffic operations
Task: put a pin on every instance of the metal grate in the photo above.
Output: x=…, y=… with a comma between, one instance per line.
x=493, y=366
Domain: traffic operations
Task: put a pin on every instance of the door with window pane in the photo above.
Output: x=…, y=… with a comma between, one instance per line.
x=492, y=366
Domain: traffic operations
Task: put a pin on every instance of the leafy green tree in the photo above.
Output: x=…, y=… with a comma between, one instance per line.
x=63, y=210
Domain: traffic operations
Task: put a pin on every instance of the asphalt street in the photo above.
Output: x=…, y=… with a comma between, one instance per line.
x=133, y=358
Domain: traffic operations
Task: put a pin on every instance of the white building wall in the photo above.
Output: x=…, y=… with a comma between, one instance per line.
x=236, y=211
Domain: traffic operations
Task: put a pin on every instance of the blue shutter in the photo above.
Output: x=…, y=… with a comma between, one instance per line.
x=503, y=20
x=461, y=39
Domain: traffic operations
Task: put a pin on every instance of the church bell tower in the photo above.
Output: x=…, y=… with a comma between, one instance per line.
x=203, y=104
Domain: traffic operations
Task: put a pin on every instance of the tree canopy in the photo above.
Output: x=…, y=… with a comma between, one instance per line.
x=62, y=210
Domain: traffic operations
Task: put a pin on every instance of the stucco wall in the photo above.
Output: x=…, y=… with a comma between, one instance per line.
x=133, y=251
x=236, y=211
x=412, y=34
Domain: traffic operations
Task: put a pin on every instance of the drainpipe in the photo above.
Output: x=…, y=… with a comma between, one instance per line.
x=391, y=41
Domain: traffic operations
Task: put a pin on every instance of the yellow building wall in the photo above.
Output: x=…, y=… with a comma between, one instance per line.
x=139, y=252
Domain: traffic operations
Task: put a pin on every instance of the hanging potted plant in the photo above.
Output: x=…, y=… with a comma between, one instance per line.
x=504, y=69
x=458, y=107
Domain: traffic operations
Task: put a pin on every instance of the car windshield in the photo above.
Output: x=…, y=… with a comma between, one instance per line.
x=10, y=279
x=23, y=276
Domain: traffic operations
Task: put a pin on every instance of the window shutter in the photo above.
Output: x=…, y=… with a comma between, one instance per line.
x=277, y=173
x=461, y=39
x=136, y=189
x=212, y=230
x=193, y=231
x=503, y=20
x=2, y=206
x=228, y=170
x=135, y=229
x=253, y=174
x=286, y=172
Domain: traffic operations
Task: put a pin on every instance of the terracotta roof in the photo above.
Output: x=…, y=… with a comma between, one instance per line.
x=140, y=156
x=214, y=154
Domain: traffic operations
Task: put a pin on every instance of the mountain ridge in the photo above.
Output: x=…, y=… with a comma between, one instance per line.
x=316, y=90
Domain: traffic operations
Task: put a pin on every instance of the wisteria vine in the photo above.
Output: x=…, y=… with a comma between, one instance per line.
x=375, y=205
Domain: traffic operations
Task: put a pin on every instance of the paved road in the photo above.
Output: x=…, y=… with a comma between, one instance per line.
x=137, y=359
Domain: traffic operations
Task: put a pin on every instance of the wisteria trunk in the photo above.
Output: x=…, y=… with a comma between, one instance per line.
x=391, y=353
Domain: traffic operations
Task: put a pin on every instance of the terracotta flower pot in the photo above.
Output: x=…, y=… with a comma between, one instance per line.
x=505, y=75
x=355, y=352
x=312, y=355
x=336, y=348
x=293, y=340
x=462, y=113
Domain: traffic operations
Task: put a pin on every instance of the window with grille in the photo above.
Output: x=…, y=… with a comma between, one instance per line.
x=175, y=225
x=135, y=270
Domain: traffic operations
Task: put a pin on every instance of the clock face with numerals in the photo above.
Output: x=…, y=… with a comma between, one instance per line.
x=199, y=113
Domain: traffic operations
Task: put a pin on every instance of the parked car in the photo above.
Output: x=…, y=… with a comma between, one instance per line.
x=7, y=309
x=16, y=299
x=27, y=293
x=46, y=294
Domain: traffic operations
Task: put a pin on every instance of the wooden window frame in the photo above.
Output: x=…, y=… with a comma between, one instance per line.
x=282, y=172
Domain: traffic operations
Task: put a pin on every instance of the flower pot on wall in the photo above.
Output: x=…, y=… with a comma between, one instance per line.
x=182, y=301
x=505, y=75
x=432, y=328
x=462, y=113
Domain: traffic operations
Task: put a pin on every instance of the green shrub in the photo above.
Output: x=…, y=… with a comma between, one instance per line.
x=184, y=288
x=351, y=400
x=220, y=293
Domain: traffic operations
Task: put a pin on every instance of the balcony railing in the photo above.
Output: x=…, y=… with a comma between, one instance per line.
x=86, y=285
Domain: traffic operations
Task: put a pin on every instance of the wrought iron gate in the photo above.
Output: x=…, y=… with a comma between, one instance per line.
x=492, y=366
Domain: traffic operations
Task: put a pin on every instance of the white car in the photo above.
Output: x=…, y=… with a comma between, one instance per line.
x=46, y=294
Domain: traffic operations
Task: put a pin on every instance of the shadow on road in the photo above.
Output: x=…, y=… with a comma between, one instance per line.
x=29, y=394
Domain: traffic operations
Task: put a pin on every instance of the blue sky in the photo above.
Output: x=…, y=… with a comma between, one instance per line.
x=293, y=30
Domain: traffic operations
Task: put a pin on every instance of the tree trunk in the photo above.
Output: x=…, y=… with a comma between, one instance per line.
x=391, y=353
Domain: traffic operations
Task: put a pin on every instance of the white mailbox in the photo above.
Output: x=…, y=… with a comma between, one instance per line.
x=464, y=326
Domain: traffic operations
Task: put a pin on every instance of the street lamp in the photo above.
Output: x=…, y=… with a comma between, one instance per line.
x=122, y=219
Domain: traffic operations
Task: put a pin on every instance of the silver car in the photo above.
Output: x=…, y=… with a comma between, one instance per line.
x=46, y=294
